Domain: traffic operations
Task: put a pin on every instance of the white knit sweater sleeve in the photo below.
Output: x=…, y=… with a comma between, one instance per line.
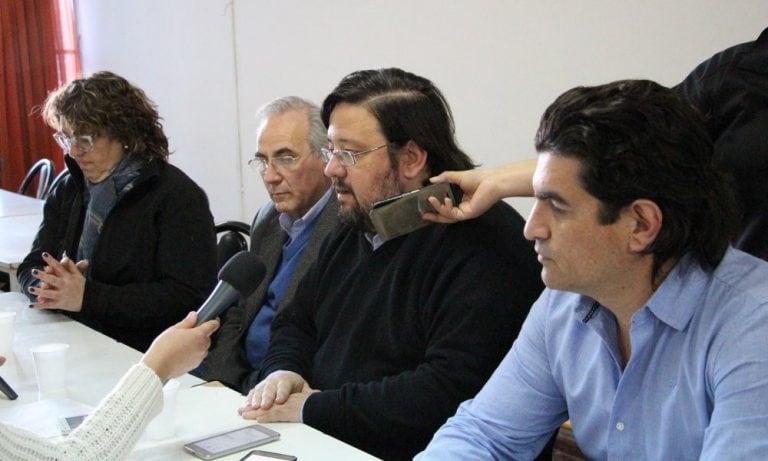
x=109, y=432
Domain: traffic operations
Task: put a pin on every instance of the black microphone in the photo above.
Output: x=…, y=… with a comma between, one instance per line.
x=238, y=277
x=5, y=388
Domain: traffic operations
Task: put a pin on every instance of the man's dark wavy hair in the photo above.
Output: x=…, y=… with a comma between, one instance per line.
x=636, y=139
x=408, y=108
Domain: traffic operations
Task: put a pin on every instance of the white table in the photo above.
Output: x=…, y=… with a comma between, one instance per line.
x=91, y=354
x=203, y=411
x=96, y=363
x=20, y=217
x=13, y=204
x=16, y=236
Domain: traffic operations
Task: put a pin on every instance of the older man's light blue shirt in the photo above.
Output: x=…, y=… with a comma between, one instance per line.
x=695, y=387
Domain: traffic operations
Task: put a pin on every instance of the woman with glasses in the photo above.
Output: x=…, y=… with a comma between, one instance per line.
x=127, y=244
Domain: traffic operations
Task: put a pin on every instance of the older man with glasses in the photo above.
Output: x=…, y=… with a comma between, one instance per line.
x=286, y=233
x=384, y=338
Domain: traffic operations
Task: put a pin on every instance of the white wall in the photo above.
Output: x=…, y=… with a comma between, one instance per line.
x=180, y=53
x=209, y=64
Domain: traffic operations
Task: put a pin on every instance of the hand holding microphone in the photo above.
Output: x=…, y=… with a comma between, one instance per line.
x=238, y=277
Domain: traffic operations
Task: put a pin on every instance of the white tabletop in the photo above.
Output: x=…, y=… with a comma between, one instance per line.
x=202, y=411
x=96, y=363
x=16, y=236
x=13, y=204
x=102, y=359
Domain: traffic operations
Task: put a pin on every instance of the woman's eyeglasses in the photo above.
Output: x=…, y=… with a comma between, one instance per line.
x=84, y=142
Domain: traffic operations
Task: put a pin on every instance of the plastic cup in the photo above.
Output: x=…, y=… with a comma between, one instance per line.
x=51, y=370
x=163, y=426
x=7, y=320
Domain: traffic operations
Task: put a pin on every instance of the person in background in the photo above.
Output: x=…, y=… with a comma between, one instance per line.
x=114, y=426
x=286, y=233
x=384, y=338
x=650, y=335
x=731, y=91
x=127, y=243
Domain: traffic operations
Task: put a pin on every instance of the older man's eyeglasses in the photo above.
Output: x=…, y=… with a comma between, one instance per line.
x=347, y=157
x=84, y=142
x=280, y=163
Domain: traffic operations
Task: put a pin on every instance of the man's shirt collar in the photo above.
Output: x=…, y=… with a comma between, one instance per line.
x=294, y=226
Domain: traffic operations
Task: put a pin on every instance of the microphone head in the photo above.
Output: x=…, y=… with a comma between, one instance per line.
x=244, y=271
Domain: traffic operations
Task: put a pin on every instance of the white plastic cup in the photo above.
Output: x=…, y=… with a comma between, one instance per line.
x=51, y=370
x=7, y=320
x=163, y=426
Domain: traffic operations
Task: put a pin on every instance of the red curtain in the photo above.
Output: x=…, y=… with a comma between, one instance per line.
x=38, y=52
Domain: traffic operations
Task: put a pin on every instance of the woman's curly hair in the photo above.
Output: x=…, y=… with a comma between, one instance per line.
x=108, y=105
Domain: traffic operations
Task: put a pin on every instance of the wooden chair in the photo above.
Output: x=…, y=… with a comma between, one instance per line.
x=565, y=448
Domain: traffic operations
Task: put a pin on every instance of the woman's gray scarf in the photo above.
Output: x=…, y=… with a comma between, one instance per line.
x=101, y=198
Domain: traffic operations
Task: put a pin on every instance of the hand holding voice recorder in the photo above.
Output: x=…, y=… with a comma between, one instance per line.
x=401, y=214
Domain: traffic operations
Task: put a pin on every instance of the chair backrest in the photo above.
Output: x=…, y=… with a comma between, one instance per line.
x=43, y=171
x=232, y=240
x=56, y=181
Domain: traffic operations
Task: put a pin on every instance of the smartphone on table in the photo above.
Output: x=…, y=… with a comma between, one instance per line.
x=230, y=442
x=70, y=423
x=260, y=455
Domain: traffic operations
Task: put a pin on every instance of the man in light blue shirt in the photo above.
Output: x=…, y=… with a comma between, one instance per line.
x=652, y=334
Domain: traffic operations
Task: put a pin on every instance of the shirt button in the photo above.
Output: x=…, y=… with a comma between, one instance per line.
x=620, y=426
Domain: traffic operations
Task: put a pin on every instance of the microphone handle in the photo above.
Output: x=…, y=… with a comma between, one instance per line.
x=222, y=297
